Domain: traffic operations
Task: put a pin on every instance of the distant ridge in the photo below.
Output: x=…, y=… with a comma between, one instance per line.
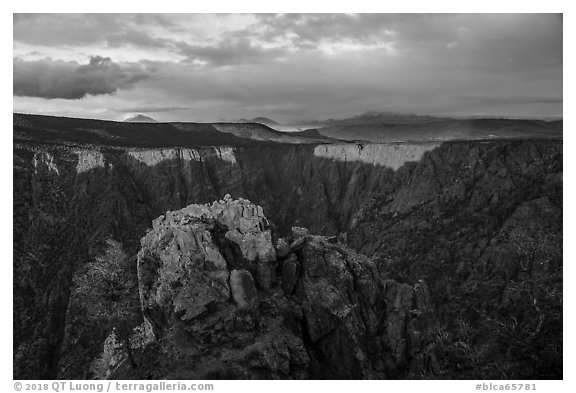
x=262, y=120
x=139, y=133
x=375, y=117
x=140, y=119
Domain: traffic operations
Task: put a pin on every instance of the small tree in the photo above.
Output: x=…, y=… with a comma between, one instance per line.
x=106, y=290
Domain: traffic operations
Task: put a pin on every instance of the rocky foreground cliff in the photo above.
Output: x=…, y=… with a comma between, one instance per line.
x=223, y=301
x=463, y=243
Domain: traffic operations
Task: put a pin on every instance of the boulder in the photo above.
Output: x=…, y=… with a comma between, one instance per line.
x=243, y=289
x=282, y=248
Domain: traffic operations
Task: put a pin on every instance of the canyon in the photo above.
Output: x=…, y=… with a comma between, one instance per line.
x=419, y=260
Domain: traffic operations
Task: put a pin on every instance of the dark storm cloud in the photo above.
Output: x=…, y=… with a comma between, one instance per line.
x=230, y=52
x=85, y=29
x=472, y=40
x=70, y=80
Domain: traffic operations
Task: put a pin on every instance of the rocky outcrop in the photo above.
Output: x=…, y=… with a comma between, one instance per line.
x=225, y=303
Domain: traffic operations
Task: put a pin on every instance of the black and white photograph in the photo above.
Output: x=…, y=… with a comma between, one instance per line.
x=287, y=196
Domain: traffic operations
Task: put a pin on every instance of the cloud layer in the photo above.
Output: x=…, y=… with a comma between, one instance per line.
x=288, y=66
x=69, y=80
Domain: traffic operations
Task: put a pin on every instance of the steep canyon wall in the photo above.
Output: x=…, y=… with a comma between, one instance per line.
x=450, y=214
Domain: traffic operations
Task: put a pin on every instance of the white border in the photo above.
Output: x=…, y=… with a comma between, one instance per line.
x=549, y=6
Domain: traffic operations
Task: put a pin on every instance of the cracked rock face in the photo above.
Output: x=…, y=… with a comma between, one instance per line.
x=225, y=303
x=182, y=265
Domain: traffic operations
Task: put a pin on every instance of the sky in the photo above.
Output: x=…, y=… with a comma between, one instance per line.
x=289, y=67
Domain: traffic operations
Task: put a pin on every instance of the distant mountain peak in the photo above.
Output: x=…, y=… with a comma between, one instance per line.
x=262, y=120
x=140, y=119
